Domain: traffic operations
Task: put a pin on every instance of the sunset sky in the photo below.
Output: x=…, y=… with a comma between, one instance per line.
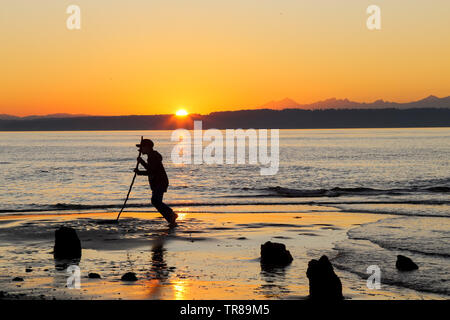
x=157, y=56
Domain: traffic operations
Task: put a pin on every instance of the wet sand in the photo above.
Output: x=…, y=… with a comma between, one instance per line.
x=208, y=256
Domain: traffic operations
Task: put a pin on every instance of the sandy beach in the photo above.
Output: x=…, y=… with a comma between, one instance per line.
x=208, y=256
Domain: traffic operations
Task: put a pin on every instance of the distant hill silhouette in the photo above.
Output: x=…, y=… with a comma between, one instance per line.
x=333, y=103
x=262, y=118
x=8, y=117
x=54, y=115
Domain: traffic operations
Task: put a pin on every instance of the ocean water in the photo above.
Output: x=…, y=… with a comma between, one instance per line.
x=400, y=172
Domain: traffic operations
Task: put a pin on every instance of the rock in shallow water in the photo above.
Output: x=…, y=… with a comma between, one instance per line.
x=323, y=282
x=93, y=275
x=129, y=276
x=405, y=264
x=273, y=253
x=17, y=279
x=67, y=244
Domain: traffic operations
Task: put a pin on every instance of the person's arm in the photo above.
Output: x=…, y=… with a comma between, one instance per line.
x=143, y=163
x=141, y=172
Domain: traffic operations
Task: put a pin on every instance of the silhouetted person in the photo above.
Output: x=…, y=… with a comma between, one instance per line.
x=157, y=178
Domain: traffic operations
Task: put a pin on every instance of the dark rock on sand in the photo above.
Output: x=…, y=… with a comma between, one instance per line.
x=93, y=275
x=67, y=244
x=323, y=282
x=28, y=270
x=405, y=264
x=129, y=276
x=273, y=253
x=17, y=279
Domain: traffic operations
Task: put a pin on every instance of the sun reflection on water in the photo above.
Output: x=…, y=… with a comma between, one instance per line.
x=182, y=213
x=179, y=289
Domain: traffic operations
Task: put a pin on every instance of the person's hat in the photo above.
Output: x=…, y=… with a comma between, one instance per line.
x=145, y=142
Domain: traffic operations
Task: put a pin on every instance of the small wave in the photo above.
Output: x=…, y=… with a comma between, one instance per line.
x=345, y=206
x=439, y=189
x=336, y=192
x=401, y=246
x=68, y=207
x=430, y=234
x=395, y=212
x=81, y=207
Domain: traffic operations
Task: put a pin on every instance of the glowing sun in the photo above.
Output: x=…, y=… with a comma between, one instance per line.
x=181, y=113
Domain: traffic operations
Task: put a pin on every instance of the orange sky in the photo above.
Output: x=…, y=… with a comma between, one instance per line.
x=153, y=57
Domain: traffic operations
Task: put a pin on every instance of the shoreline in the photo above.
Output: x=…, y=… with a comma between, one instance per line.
x=208, y=256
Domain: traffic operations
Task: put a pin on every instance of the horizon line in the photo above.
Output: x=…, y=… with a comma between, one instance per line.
x=261, y=107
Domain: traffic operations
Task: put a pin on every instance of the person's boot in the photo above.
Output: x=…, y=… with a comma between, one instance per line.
x=173, y=218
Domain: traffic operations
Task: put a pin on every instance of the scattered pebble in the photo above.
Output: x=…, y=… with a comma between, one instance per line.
x=129, y=276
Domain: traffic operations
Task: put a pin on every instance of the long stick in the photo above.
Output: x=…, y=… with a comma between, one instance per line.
x=131, y=186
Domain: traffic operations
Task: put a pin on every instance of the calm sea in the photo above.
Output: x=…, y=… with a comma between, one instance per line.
x=403, y=172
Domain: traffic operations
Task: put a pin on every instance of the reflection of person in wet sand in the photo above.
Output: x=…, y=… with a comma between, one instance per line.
x=157, y=178
x=159, y=271
x=159, y=267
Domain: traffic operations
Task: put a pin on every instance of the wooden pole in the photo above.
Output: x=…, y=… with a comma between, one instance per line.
x=131, y=186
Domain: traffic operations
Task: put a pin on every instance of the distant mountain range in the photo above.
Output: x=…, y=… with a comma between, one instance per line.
x=49, y=116
x=333, y=103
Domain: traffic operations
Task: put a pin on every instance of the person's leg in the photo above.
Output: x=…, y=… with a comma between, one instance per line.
x=165, y=210
x=157, y=197
x=172, y=216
